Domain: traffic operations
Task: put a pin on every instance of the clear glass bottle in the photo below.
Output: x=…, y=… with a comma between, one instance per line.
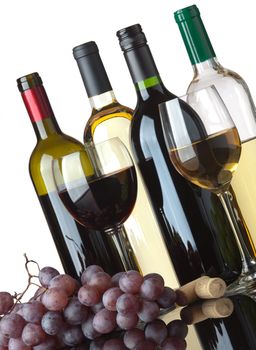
x=236, y=95
x=111, y=119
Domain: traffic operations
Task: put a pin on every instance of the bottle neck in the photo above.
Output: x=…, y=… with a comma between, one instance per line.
x=195, y=37
x=144, y=72
x=103, y=100
x=40, y=112
x=94, y=75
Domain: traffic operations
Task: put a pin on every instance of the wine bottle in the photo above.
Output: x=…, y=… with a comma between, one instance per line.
x=236, y=95
x=111, y=119
x=188, y=232
x=76, y=246
x=192, y=237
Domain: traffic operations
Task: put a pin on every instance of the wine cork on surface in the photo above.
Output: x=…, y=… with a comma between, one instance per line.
x=186, y=294
x=193, y=314
x=213, y=288
x=218, y=308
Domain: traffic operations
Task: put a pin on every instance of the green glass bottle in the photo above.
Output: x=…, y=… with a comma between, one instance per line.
x=76, y=246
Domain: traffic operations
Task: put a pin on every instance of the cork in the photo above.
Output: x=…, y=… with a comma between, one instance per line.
x=212, y=288
x=186, y=294
x=193, y=314
x=219, y=308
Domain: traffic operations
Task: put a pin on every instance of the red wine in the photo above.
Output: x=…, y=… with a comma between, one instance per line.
x=104, y=202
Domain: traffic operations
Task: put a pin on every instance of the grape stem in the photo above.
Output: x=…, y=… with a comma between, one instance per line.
x=19, y=296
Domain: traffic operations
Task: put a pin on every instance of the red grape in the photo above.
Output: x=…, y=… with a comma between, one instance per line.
x=133, y=337
x=72, y=336
x=167, y=298
x=101, y=281
x=151, y=289
x=89, y=295
x=33, y=311
x=154, y=275
x=6, y=302
x=177, y=328
x=104, y=321
x=55, y=299
x=33, y=334
x=130, y=282
x=110, y=298
x=89, y=272
x=11, y=325
x=52, y=322
x=149, y=311
x=156, y=331
x=75, y=313
x=128, y=304
x=46, y=274
x=65, y=282
x=126, y=322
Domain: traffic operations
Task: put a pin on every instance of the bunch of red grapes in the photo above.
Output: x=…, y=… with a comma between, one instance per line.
x=99, y=312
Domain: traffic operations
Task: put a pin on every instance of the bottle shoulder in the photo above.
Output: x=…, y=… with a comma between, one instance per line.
x=56, y=145
x=236, y=95
x=99, y=120
x=149, y=105
x=215, y=74
x=41, y=160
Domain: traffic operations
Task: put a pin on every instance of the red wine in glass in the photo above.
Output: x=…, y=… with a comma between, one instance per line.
x=98, y=186
x=103, y=202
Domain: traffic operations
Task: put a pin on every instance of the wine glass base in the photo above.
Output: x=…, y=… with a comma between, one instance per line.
x=245, y=284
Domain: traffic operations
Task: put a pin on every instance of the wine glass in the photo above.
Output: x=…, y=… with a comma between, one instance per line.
x=205, y=148
x=98, y=186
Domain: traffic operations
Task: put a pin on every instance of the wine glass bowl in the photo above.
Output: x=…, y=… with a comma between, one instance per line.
x=205, y=152
x=98, y=186
x=204, y=147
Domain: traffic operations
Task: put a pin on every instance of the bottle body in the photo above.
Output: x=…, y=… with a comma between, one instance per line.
x=236, y=95
x=76, y=246
x=185, y=213
x=196, y=231
x=111, y=119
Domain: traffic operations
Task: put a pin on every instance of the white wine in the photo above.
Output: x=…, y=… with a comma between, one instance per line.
x=209, y=163
x=244, y=187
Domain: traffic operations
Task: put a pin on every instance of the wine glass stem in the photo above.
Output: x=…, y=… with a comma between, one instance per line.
x=123, y=247
x=248, y=259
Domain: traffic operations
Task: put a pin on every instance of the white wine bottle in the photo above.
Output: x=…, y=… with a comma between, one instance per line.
x=236, y=95
x=110, y=119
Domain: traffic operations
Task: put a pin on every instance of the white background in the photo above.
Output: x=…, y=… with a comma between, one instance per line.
x=39, y=36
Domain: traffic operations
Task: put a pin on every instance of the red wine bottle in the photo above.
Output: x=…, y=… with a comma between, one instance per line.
x=76, y=246
x=194, y=226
